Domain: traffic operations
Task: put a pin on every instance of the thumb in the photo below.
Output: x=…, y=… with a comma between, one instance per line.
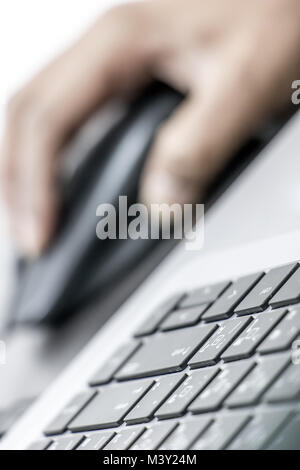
x=195, y=143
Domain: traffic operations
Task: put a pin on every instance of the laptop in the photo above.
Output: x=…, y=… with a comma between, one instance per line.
x=205, y=353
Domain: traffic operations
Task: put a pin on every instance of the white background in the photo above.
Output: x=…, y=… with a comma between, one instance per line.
x=31, y=33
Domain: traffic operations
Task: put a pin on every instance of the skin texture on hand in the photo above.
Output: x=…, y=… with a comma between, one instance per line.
x=235, y=60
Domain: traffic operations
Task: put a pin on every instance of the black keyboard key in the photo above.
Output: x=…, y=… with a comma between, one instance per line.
x=211, y=351
x=153, y=438
x=258, y=298
x=186, y=433
x=286, y=387
x=66, y=443
x=258, y=381
x=253, y=335
x=124, y=439
x=96, y=441
x=153, y=321
x=289, y=437
x=168, y=352
x=109, y=368
x=43, y=444
x=221, y=432
x=183, y=318
x=159, y=392
x=289, y=293
x=224, y=306
x=203, y=295
x=178, y=402
x=110, y=406
x=61, y=421
x=260, y=430
x=213, y=396
x=282, y=336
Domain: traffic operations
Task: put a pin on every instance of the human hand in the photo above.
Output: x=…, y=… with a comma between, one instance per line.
x=235, y=60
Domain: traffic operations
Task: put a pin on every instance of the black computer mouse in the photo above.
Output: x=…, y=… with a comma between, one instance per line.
x=77, y=263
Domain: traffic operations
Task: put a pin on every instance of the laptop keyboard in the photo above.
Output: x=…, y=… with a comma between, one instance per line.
x=213, y=368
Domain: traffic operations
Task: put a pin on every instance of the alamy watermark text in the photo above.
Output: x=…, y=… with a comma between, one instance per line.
x=156, y=221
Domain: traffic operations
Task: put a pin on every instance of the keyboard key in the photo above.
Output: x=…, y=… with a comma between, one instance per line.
x=224, y=306
x=183, y=317
x=185, y=394
x=253, y=335
x=286, y=387
x=168, y=352
x=109, y=368
x=213, y=396
x=96, y=441
x=211, y=351
x=260, y=430
x=186, y=433
x=203, y=295
x=289, y=437
x=289, y=292
x=66, y=443
x=110, y=406
x=43, y=444
x=258, y=381
x=154, y=436
x=282, y=336
x=257, y=299
x=61, y=421
x=124, y=439
x=153, y=321
x=221, y=432
x=160, y=391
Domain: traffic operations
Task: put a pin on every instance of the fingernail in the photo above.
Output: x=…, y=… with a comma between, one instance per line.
x=162, y=187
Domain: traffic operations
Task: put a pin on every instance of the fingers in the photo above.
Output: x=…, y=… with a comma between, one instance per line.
x=106, y=61
x=36, y=205
x=194, y=145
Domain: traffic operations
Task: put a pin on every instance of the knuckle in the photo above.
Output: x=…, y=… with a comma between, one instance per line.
x=126, y=21
x=121, y=25
x=124, y=13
